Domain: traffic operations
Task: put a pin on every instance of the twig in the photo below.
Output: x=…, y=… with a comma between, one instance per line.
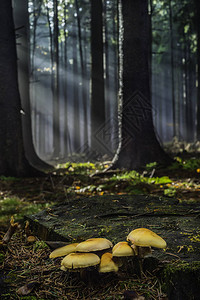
x=11, y=230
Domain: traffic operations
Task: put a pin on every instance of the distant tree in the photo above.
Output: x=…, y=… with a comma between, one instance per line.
x=76, y=102
x=13, y=161
x=83, y=71
x=138, y=143
x=55, y=91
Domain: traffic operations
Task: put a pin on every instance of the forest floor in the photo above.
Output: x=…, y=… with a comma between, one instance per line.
x=25, y=271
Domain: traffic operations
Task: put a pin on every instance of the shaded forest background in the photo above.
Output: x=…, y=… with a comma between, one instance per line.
x=59, y=38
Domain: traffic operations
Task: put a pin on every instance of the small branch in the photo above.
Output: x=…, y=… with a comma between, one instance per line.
x=11, y=230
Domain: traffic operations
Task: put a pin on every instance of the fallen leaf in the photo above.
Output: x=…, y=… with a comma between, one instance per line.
x=27, y=288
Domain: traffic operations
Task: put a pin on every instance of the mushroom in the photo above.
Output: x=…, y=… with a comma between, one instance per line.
x=122, y=249
x=94, y=245
x=142, y=240
x=107, y=264
x=144, y=237
x=79, y=260
x=63, y=251
x=31, y=239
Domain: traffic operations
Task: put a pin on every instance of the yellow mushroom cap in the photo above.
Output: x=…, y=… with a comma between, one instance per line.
x=63, y=251
x=94, y=244
x=146, y=238
x=79, y=260
x=31, y=239
x=122, y=249
x=107, y=264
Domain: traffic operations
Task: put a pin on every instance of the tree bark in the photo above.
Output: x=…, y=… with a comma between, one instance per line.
x=197, y=6
x=138, y=143
x=172, y=69
x=55, y=74
x=97, y=74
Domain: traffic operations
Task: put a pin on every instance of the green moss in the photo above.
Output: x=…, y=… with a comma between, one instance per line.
x=180, y=279
x=4, y=178
x=78, y=168
x=135, y=178
x=38, y=245
x=182, y=266
x=190, y=164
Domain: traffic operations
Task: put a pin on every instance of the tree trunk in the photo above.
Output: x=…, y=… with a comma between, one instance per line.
x=83, y=75
x=172, y=69
x=138, y=144
x=67, y=140
x=197, y=5
x=56, y=100
x=12, y=155
x=97, y=74
x=76, y=103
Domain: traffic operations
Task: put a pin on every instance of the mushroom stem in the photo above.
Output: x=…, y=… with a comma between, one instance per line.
x=140, y=261
x=141, y=253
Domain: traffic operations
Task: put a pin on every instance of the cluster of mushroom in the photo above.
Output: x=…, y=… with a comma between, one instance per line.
x=100, y=251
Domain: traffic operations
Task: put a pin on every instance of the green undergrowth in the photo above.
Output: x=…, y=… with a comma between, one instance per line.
x=75, y=179
x=14, y=206
x=135, y=178
x=80, y=168
x=191, y=164
x=151, y=178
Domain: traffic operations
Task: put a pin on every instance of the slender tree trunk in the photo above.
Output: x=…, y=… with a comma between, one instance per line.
x=185, y=90
x=138, y=144
x=172, y=69
x=76, y=103
x=67, y=140
x=36, y=14
x=56, y=100
x=83, y=74
x=116, y=72
x=106, y=49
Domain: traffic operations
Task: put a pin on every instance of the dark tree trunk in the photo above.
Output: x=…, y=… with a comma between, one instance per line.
x=197, y=5
x=138, y=144
x=97, y=73
x=172, y=68
x=12, y=155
